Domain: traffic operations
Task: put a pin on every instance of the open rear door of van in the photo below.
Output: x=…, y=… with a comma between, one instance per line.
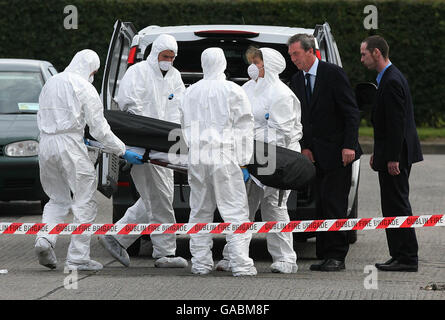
x=327, y=44
x=115, y=67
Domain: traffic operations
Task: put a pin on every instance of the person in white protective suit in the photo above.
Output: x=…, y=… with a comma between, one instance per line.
x=217, y=124
x=68, y=102
x=151, y=88
x=277, y=114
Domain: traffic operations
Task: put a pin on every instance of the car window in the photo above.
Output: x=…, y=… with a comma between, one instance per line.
x=19, y=92
x=188, y=61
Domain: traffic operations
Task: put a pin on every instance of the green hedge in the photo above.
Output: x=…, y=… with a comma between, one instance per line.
x=414, y=29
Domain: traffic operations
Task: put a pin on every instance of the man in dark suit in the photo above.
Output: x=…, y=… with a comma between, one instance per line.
x=330, y=119
x=396, y=148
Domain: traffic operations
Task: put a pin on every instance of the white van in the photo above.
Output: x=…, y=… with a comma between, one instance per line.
x=129, y=46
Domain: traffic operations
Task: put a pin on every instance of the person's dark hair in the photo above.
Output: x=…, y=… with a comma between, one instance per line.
x=307, y=41
x=377, y=42
x=253, y=52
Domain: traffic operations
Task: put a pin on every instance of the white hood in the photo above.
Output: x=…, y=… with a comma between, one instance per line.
x=269, y=95
x=213, y=64
x=274, y=63
x=162, y=43
x=84, y=63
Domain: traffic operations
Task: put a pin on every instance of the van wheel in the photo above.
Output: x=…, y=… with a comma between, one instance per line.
x=118, y=213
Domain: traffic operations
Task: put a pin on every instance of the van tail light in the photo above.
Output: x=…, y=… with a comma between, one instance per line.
x=318, y=54
x=132, y=55
x=123, y=184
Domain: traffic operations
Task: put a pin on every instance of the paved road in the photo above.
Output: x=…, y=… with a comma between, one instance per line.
x=26, y=279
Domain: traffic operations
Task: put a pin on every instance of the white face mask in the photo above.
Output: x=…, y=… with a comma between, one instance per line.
x=253, y=72
x=165, y=65
x=91, y=79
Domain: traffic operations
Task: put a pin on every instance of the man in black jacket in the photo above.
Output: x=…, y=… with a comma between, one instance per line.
x=330, y=119
x=396, y=148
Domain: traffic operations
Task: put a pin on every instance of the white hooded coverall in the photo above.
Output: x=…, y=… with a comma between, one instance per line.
x=269, y=95
x=217, y=125
x=68, y=102
x=145, y=91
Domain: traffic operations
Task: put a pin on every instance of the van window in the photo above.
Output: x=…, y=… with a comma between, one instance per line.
x=188, y=61
x=323, y=50
x=117, y=70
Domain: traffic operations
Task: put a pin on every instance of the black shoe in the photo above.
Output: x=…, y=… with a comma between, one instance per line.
x=398, y=266
x=329, y=265
x=377, y=265
x=317, y=266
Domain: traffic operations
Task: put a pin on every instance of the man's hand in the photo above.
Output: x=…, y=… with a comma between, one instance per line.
x=308, y=153
x=393, y=168
x=347, y=156
x=371, y=161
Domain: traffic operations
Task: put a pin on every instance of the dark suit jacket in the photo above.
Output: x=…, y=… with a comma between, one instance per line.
x=395, y=134
x=331, y=121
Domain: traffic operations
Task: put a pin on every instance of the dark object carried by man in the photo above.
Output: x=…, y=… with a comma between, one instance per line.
x=292, y=169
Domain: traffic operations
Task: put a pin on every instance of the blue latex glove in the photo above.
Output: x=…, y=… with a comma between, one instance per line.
x=266, y=116
x=133, y=157
x=246, y=174
x=85, y=140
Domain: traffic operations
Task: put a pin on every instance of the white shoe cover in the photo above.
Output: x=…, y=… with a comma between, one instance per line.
x=115, y=249
x=283, y=267
x=171, y=262
x=45, y=253
x=200, y=270
x=223, y=265
x=89, y=266
x=251, y=272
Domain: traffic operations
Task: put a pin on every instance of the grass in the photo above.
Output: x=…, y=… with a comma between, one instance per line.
x=424, y=133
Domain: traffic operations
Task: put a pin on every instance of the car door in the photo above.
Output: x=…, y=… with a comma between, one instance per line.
x=116, y=63
x=115, y=67
x=327, y=44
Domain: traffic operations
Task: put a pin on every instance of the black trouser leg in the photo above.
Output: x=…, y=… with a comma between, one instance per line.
x=394, y=193
x=332, y=190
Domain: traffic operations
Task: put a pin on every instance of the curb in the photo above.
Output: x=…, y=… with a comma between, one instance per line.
x=427, y=147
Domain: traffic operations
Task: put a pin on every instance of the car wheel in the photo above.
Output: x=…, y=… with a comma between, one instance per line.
x=118, y=213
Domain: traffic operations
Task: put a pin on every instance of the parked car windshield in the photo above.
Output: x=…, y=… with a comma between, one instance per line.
x=19, y=92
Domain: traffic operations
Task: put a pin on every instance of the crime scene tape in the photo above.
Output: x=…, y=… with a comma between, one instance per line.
x=224, y=227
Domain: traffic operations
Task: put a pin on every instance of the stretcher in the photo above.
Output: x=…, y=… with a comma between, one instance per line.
x=271, y=165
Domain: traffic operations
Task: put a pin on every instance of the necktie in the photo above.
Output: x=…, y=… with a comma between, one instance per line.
x=308, y=88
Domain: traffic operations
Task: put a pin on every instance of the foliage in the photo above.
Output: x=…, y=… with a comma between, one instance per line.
x=414, y=30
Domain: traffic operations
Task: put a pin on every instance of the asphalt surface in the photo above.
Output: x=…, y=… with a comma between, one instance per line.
x=26, y=279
